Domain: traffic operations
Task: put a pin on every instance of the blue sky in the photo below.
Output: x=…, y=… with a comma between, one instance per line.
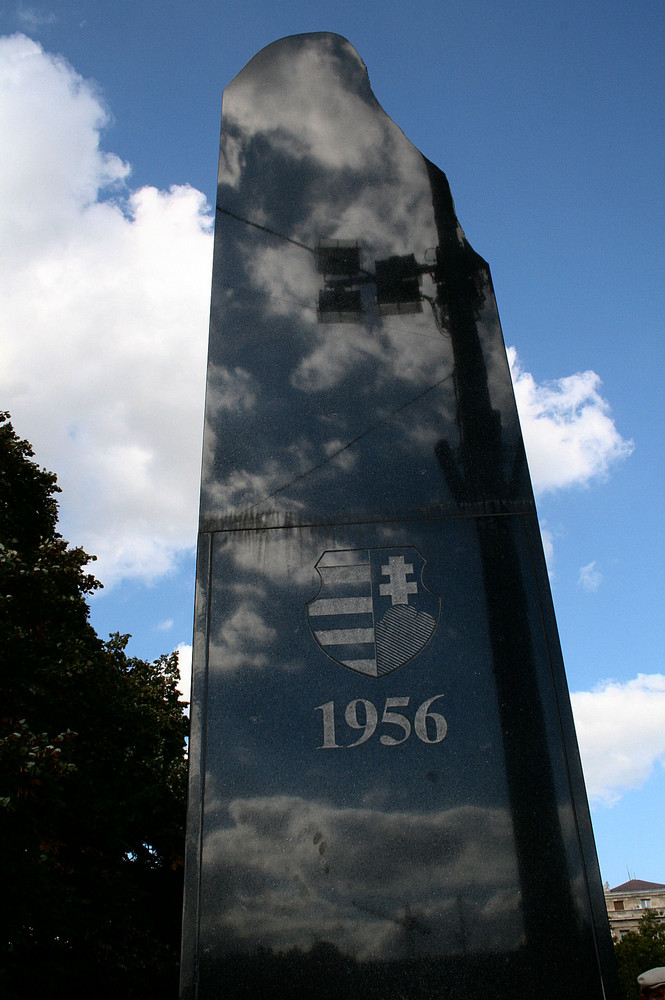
x=547, y=119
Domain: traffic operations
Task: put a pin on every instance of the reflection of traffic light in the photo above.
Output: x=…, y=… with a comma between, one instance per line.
x=397, y=281
x=398, y=286
x=340, y=262
x=339, y=305
x=337, y=258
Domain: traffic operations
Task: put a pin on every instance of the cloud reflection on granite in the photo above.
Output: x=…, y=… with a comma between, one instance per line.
x=391, y=801
x=352, y=877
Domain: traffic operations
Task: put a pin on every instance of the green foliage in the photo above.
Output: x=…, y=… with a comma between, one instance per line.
x=640, y=950
x=92, y=772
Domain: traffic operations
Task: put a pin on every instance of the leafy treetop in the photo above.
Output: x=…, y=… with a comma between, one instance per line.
x=92, y=771
x=639, y=951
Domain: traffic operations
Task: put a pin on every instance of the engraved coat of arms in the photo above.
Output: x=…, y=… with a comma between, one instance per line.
x=373, y=613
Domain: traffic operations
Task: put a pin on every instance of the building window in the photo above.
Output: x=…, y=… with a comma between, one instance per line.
x=618, y=904
x=645, y=904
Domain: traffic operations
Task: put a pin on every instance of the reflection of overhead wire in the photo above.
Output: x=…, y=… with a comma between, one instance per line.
x=248, y=291
x=411, y=331
x=362, y=277
x=265, y=229
x=349, y=444
x=367, y=275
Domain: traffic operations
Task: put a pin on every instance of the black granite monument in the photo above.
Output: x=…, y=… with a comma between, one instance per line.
x=386, y=794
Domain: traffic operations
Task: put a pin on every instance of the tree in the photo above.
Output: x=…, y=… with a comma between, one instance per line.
x=92, y=771
x=640, y=950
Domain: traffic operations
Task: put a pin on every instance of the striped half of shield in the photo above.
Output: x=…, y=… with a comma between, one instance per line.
x=373, y=613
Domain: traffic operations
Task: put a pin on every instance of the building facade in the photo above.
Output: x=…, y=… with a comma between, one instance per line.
x=627, y=902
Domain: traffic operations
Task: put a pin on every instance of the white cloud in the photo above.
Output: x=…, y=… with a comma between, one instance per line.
x=621, y=732
x=547, y=536
x=105, y=306
x=32, y=17
x=590, y=578
x=185, y=665
x=569, y=434
x=104, y=312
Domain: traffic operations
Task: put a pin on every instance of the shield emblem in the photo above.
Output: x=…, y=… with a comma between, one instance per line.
x=373, y=613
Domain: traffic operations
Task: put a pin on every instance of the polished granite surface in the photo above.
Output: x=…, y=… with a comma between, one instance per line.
x=387, y=799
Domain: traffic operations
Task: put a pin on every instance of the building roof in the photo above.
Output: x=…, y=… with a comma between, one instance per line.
x=638, y=885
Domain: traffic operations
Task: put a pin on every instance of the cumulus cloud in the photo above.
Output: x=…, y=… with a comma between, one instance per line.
x=104, y=304
x=569, y=435
x=104, y=308
x=621, y=732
